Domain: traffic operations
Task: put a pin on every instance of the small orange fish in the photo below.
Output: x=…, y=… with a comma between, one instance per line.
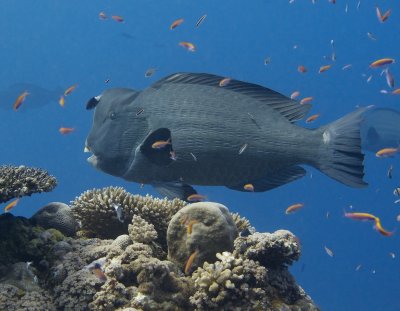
x=378, y=227
x=381, y=62
x=176, y=23
x=11, y=205
x=61, y=101
x=100, y=274
x=294, y=95
x=324, y=68
x=70, y=89
x=301, y=69
x=306, y=100
x=293, y=208
x=248, y=187
x=396, y=91
x=190, y=226
x=384, y=17
x=187, y=45
x=20, y=100
x=66, y=130
x=360, y=216
x=387, y=152
x=102, y=16
x=312, y=118
x=224, y=82
x=196, y=197
x=161, y=144
x=190, y=261
x=117, y=18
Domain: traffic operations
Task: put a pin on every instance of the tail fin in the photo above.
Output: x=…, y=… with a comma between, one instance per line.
x=341, y=157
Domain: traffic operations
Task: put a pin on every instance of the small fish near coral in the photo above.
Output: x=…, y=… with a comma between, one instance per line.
x=189, y=114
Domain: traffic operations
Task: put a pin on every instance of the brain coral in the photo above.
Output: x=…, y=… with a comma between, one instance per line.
x=204, y=228
x=107, y=212
x=19, y=181
x=56, y=215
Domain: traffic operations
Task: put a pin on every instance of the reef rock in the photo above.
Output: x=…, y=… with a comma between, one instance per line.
x=19, y=181
x=203, y=228
x=56, y=215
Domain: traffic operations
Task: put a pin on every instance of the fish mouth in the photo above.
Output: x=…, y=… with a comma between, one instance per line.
x=93, y=160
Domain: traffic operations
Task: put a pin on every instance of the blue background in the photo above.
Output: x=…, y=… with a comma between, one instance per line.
x=55, y=44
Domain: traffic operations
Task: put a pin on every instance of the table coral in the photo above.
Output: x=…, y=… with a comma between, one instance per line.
x=19, y=181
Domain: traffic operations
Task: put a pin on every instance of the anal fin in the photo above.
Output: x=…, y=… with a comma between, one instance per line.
x=274, y=180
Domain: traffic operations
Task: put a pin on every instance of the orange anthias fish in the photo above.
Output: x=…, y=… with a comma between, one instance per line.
x=11, y=205
x=196, y=197
x=70, y=89
x=294, y=95
x=66, y=130
x=248, y=187
x=378, y=227
x=161, y=144
x=324, y=68
x=176, y=23
x=224, y=82
x=293, y=208
x=190, y=261
x=360, y=216
x=384, y=17
x=382, y=62
x=61, y=101
x=190, y=224
x=20, y=100
x=187, y=45
x=312, y=118
x=301, y=69
x=306, y=100
x=387, y=152
x=117, y=18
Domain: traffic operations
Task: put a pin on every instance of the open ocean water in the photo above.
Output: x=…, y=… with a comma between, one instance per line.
x=47, y=46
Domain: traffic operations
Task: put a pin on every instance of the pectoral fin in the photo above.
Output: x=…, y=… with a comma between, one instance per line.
x=272, y=181
x=175, y=190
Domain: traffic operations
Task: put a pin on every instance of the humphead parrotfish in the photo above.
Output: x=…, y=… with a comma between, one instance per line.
x=186, y=130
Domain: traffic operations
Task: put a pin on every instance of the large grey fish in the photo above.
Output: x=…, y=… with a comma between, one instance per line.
x=380, y=129
x=230, y=136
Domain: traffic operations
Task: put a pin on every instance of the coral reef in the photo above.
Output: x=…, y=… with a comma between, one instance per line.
x=204, y=229
x=233, y=267
x=19, y=181
x=56, y=215
x=106, y=213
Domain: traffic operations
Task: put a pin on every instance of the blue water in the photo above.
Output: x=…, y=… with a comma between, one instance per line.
x=59, y=43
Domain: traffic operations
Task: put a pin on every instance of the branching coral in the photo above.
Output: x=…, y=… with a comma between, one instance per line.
x=19, y=181
x=141, y=231
x=107, y=212
x=230, y=284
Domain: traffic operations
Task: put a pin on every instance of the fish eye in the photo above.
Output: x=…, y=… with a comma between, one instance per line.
x=113, y=115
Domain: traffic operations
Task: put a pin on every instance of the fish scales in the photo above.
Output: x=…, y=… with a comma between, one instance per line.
x=211, y=122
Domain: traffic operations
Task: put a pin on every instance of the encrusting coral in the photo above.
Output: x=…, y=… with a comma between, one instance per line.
x=232, y=267
x=107, y=212
x=19, y=181
x=56, y=215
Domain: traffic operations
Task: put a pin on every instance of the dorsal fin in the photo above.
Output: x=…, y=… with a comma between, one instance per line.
x=289, y=108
